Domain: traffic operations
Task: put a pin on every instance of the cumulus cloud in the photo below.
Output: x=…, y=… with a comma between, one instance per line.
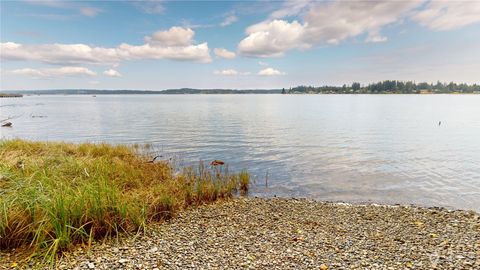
x=224, y=53
x=54, y=72
x=175, y=36
x=324, y=23
x=112, y=73
x=272, y=38
x=270, y=72
x=198, y=53
x=229, y=20
x=173, y=44
x=226, y=72
x=59, y=53
x=447, y=15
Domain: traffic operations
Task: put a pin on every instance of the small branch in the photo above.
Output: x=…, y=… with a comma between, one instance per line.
x=153, y=160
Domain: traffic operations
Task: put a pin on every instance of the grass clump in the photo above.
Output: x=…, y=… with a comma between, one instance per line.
x=55, y=195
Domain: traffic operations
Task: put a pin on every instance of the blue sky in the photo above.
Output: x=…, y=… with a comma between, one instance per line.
x=228, y=44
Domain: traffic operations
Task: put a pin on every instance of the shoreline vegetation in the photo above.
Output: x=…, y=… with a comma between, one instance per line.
x=55, y=196
x=101, y=206
x=384, y=87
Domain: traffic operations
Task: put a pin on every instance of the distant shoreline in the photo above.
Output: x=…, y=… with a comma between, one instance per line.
x=10, y=95
x=383, y=87
x=21, y=93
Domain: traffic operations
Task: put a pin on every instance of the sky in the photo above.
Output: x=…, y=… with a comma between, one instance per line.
x=158, y=44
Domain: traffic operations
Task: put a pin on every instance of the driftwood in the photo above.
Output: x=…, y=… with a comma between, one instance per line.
x=217, y=162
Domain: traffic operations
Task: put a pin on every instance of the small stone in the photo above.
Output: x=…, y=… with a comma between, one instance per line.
x=91, y=265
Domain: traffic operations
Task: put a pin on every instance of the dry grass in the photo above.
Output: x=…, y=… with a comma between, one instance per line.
x=56, y=195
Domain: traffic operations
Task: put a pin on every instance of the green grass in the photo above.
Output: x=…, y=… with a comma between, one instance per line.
x=56, y=195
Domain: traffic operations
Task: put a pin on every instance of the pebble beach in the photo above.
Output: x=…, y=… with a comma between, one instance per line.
x=255, y=233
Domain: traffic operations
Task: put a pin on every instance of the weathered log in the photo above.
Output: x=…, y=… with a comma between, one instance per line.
x=217, y=162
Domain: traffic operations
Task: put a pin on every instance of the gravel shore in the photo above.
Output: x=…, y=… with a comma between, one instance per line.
x=294, y=234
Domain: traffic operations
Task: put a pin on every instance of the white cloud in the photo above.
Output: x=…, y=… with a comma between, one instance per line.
x=270, y=72
x=448, y=15
x=112, y=73
x=333, y=23
x=375, y=38
x=324, y=23
x=54, y=72
x=261, y=63
x=198, y=53
x=173, y=44
x=59, y=53
x=229, y=20
x=89, y=11
x=29, y=72
x=226, y=72
x=175, y=36
x=150, y=6
x=272, y=38
x=224, y=53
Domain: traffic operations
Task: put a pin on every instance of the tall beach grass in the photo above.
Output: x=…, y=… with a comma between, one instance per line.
x=56, y=195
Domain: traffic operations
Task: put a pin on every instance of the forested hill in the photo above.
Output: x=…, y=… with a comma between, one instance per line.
x=388, y=87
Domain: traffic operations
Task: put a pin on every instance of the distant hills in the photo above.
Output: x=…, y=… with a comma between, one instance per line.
x=142, y=92
x=383, y=87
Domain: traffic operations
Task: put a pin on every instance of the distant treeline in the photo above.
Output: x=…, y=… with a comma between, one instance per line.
x=144, y=92
x=219, y=91
x=388, y=87
x=384, y=87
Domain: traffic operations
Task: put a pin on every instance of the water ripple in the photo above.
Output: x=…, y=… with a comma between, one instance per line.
x=386, y=149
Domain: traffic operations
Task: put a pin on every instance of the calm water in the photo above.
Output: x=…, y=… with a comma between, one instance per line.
x=359, y=148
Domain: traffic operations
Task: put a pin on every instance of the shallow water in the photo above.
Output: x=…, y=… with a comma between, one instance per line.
x=354, y=148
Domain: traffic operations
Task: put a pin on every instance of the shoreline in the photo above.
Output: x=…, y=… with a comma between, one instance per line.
x=260, y=233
